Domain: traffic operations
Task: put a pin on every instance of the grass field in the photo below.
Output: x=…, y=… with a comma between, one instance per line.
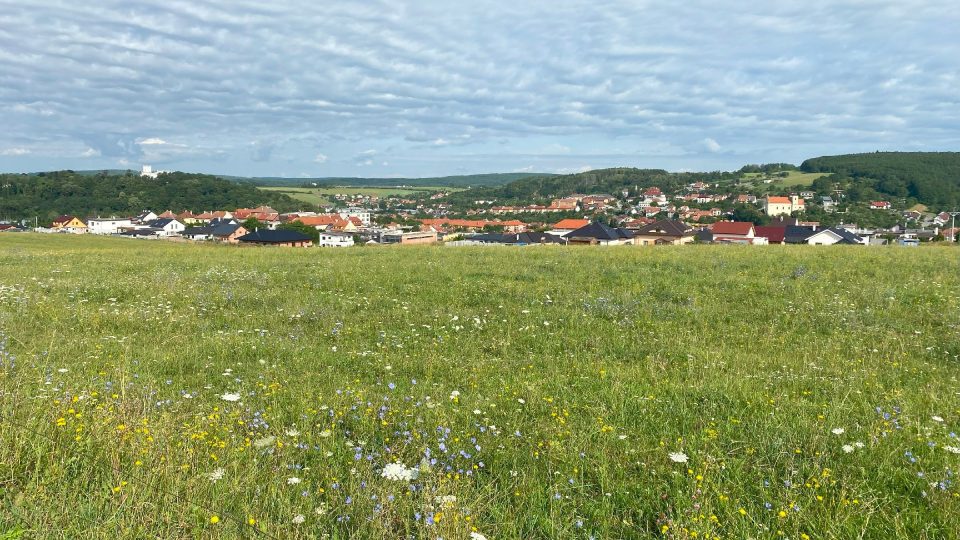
x=161, y=390
x=324, y=195
x=794, y=178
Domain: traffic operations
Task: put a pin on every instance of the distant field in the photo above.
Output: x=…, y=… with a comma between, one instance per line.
x=794, y=178
x=322, y=195
x=152, y=389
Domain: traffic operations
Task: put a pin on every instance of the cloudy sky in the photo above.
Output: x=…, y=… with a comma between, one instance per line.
x=429, y=87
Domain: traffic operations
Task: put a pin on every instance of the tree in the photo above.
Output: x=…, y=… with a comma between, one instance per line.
x=251, y=224
x=743, y=212
x=299, y=227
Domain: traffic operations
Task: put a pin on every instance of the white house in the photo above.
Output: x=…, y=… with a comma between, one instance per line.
x=363, y=214
x=166, y=227
x=111, y=225
x=334, y=239
x=148, y=172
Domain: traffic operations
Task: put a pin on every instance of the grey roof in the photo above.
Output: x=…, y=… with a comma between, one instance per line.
x=599, y=231
x=198, y=231
x=518, y=238
x=666, y=227
x=797, y=235
x=279, y=236
x=225, y=230
x=160, y=223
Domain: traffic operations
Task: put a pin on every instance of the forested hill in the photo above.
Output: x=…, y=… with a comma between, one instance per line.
x=598, y=181
x=930, y=178
x=47, y=195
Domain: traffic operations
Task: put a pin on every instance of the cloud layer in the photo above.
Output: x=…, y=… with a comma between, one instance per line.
x=418, y=88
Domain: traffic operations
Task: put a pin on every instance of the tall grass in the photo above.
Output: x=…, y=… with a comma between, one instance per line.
x=537, y=393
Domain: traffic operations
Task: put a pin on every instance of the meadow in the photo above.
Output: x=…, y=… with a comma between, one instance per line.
x=793, y=179
x=324, y=195
x=166, y=390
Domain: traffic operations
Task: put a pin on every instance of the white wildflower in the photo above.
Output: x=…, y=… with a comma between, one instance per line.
x=62, y=370
x=298, y=519
x=264, y=442
x=952, y=449
x=847, y=448
x=446, y=500
x=477, y=411
x=521, y=401
x=859, y=444
x=838, y=431
x=678, y=457
x=399, y=472
x=292, y=432
x=325, y=433
x=936, y=418
x=232, y=396
x=217, y=474
x=455, y=394
x=477, y=536
x=293, y=480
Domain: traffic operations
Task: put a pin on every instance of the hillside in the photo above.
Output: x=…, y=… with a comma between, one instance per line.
x=929, y=178
x=597, y=181
x=471, y=180
x=46, y=195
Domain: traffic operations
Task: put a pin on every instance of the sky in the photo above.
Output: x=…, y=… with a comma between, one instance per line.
x=426, y=88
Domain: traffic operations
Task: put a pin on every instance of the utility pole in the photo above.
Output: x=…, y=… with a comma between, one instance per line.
x=953, y=225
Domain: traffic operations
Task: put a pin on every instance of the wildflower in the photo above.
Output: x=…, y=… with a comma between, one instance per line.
x=293, y=480
x=298, y=519
x=399, y=472
x=936, y=418
x=454, y=395
x=837, y=431
x=230, y=397
x=264, y=442
x=214, y=519
x=216, y=474
x=325, y=433
x=251, y=521
x=477, y=536
x=847, y=448
x=678, y=457
x=292, y=432
x=952, y=449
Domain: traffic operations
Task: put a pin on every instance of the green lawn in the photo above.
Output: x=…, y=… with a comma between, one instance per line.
x=793, y=179
x=323, y=195
x=153, y=389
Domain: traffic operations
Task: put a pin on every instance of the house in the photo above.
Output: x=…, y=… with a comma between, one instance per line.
x=565, y=226
x=513, y=226
x=111, y=225
x=335, y=239
x=942, y=218
x=774, y=235
x=144, y=217
x=828, y=203
x=166, y=226
x=912, y=215
x=517, y=239
x=229, y=233
x=597, y=233
x=663, y=232
x=167, y=215
x=880, y=205
x=405, y=238
x=782, y=206
x=69, y=224
x=736, y=232
x=746, y=199
x=198, y=233
x=279, y=237
x=821, y=237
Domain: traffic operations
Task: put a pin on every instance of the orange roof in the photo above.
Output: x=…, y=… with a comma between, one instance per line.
x=778, y=200
x=512, y=223
x=315, y=221
x=572, y=224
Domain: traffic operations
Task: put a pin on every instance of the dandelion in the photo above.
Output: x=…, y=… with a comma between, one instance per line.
x=214, y=519
x=678, y=457
x=230, y=397
x=838, y=431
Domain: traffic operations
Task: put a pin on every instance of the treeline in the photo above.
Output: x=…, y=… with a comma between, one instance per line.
x=461, y=181
x=930, y=178
x=47, y=195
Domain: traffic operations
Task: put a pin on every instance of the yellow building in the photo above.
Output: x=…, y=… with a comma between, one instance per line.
x=70, y=224
x=782, y=206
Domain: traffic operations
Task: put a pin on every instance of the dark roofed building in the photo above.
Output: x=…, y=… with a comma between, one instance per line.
x=665, y=231
x=518, y=239
x=597, y=233
x=774, y=235
x=279, y=237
